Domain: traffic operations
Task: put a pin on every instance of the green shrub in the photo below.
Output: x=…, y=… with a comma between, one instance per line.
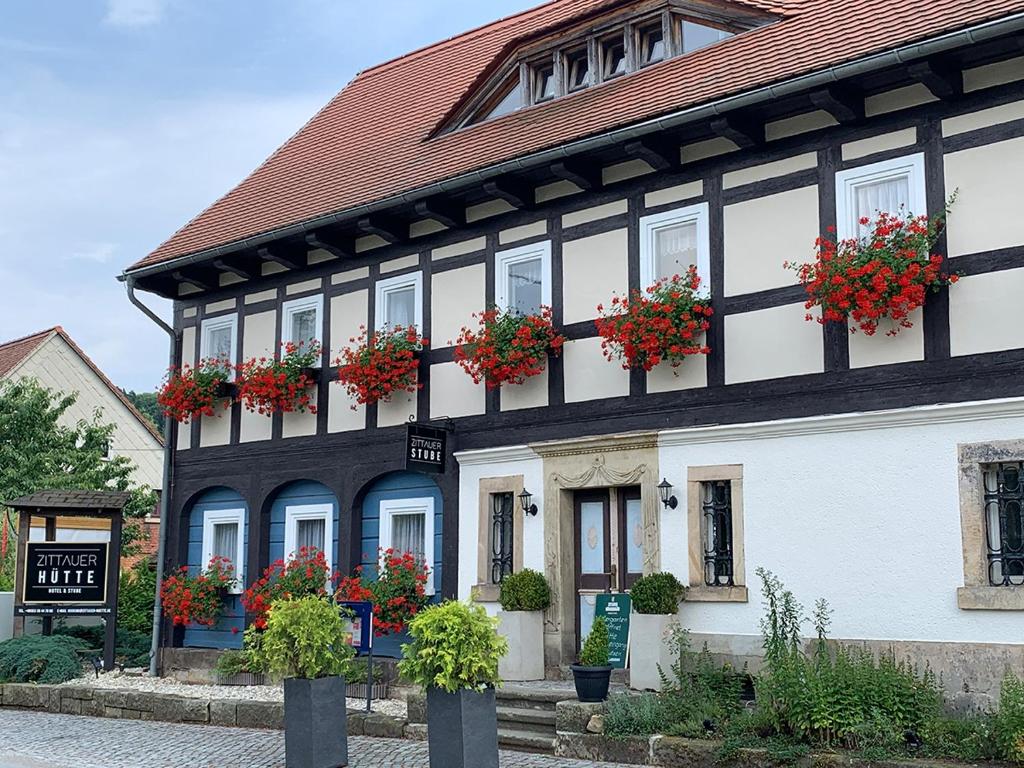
x=136, y=596
x=39, y=659
x=595, y=647
x=455, y=646
x=658, y=593
x=630, y=715
x=356, y=671
x=1009, y=721
x=967, y=739
x=526, y=590
x=131, y=648
x=304, y=638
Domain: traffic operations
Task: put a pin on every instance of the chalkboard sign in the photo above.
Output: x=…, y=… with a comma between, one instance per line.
x=63, y=573
x=425, y=448
x=615, y=609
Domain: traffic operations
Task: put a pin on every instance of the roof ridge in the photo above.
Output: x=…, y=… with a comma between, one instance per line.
x=21, y=339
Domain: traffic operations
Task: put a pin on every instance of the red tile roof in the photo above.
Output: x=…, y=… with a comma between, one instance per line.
x=13, y=353
x=373, y=140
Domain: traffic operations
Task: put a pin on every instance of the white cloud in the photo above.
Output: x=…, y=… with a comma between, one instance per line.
x=134, y=13
x=97, y=253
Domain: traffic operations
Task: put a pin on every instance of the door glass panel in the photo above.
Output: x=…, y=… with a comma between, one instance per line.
x=634, y=537
x=592, y=535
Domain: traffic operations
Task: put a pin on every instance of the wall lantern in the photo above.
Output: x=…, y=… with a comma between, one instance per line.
x=665, y=491
x=526, y=502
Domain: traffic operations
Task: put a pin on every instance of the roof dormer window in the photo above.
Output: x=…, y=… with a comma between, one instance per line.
x=543, y=88
x=613, y=57
x=505, y=101
x=651, y=43
x=695, y=36
x=577, y=69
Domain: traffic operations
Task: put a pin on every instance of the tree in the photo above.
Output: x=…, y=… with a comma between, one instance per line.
x=38, y=452
x=147, y=405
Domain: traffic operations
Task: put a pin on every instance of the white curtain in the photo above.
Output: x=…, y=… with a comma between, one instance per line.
x=225, y=540
x=401, y=308
x=220, y=343
x=304, y=326
x=524, y=286
x=676, y=249
x=408, y=534
x=886, y=196
x=310, y=533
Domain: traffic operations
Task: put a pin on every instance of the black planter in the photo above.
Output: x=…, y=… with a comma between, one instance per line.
x=591, y=682
x=225, y=390
x=462, y=729
x=315, y=727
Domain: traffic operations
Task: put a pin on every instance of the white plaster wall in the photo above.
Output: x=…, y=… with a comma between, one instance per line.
x=881, y=349
x=589, y=375
x=258, y=340
x=455, y=295
x=771, y=343
x=986, y=313
x=868, y=519
x=188, y=357
x=593, y=270
x=348, y=312
x=453, y=393
x=532, y=393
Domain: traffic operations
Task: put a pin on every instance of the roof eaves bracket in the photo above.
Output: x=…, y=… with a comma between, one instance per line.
x=741, y=131
x=342, y=248
x=844, y=105
x=942, y=77
x=273, y=254
x=660, y=155
x=387, y=228
x=583, y=175
x=442, y=211
x=513, y=192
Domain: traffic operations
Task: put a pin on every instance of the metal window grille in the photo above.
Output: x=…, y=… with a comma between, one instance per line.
x=1004, y=522
x=716, y=507
x=502, y=507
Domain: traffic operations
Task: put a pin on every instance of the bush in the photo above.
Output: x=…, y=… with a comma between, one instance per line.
x=657, y=593
x=970, y=739
x=136, y=596
x=1009, y=722
x=39, y=659
x=595, y=647
x=455, y=646
x=304, y=638
x=526, y=590
x=630, y=715
x=130, y=648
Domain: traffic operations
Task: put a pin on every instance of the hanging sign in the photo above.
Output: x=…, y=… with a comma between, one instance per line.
x=65, y=574
x=615, y=609
x=425, y=448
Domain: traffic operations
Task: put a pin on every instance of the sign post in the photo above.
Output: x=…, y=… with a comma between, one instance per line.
x=359, y=616
x=615, y=608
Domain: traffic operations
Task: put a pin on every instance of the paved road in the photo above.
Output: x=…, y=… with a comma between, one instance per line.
x=41, y=740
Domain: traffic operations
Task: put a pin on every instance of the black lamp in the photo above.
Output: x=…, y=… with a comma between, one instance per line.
x=526, y=502
x=665, y=491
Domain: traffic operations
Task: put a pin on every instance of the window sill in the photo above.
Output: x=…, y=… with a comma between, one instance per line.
x=704, y=594
x=990, y=598
x=486, y=593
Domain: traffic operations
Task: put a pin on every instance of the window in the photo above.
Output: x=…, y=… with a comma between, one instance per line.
x=302, y=320
x=219, y=339
x=1003, y=486
x=407, y=525
x=696, y=36
x=505, y=101
x=714, y=504
x=222, y=537
x=893, y=186
x=543, y=87
x=613, y=57
x=311, y=526
x=577, y=70
x=523, y=278
x=651, y=44
x=673, y=241
x=399, y=301
x=716, y=532
x=501, y=535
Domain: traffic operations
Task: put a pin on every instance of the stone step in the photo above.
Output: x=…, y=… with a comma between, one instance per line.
x=533, y=698
x=526, y=742
x=538, y=719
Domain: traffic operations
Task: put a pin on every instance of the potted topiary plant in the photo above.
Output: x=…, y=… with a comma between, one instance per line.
x=593, y=674
x=454, y=656
x=304, y=642
x=655, y=600
x=524, y=597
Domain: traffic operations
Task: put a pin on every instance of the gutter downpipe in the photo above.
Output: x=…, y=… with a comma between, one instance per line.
x=165, y=491
x=949, y=41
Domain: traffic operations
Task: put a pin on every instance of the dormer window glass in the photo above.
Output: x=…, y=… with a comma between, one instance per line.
x=651, y=48
x=695, y=36
x=613, y=57
x=506, y=101
x=577, y=70
x=543, y=82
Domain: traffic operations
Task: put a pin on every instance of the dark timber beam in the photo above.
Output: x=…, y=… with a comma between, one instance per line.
x=513, y=192
x=845, y=106
x=288, y=261
x=944, y=79
x=385, y=227
x=442, y=211
x=340, y=247
x=235, y=269
x=660, y=155
x=195, y=278
x=583, y=175
x=741, y=131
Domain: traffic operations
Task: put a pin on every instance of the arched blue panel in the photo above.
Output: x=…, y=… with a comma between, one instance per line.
x=300, y=493
x=398, y=485
x=221, y=635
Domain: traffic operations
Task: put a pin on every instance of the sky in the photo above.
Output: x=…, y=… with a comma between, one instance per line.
x=122, y=119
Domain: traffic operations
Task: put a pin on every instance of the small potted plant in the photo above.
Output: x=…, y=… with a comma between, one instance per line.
x=454, y=656
x=655, y=600
x=280, y=386
x=524, y=597
x=305, y=643
x=507, y=348
x=188, y=392
x=593, y=674
x=381, y=363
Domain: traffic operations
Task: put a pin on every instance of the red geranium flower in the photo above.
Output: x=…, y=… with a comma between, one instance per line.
x=508, y=347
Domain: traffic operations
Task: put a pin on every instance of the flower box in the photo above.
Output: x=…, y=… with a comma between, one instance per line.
x=378, y=691
x=381, y=364
x=225, y=390
x=281, y=386
x=507, y=348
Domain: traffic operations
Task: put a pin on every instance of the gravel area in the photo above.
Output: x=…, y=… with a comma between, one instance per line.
x=144, y=683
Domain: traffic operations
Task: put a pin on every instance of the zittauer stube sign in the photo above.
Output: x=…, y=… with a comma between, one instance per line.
x=63, y=573
x=425, y=448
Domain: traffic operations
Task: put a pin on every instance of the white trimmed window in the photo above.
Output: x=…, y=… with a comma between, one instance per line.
x=223, y=537
x=219, y=339
x=302, y=320
x=407, y=525
x=891, y=186
x=523, y=278
x=399, y=301
x=309, y=525
x=671, y=242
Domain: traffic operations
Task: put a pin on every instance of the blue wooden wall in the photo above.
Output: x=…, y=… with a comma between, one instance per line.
x=298, y=494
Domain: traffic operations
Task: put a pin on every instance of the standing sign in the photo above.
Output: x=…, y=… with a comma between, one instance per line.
x=425, y=448
x=64, y=578
x=358, y=624
x=615, y=609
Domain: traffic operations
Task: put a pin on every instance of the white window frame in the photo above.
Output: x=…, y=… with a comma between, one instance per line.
x=911, y=167
x=294, y=306
x=504, y=259
x=390, y=508
x=651, y=225
x=214, y=517
x=211, y=324
x=398, y=283
x=295, y=512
